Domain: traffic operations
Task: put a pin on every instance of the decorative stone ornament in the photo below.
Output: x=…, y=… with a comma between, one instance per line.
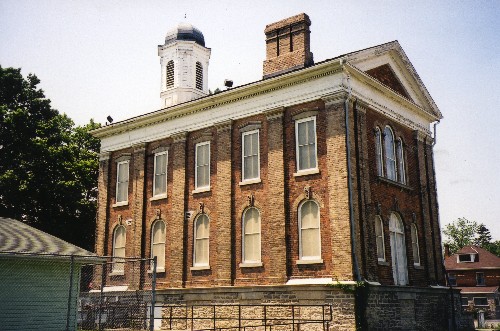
x=251, y=200
x=308, y=192
x=202, y=208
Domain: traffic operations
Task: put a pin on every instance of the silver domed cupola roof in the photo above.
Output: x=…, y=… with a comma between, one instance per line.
x=185, y=31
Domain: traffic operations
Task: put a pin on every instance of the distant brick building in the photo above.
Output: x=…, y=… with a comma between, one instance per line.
x=263, y=185
x=476, y=272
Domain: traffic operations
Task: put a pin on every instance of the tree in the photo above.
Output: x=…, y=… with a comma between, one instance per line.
x=460, y=233
x=483, y=238
x=48, y=167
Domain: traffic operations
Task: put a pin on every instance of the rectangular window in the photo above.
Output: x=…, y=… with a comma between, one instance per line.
x=305, y=139
x=202, y=168
x=465, y=301
x=481, y=301
x=160, y=174
x=122, y=174
x=452, y=279
x=250, y=155
x=480, y=278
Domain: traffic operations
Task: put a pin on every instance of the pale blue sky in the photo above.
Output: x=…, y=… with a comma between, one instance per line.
x=99, y=58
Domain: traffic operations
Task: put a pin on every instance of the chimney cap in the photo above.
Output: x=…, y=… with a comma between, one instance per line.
x=302, y=17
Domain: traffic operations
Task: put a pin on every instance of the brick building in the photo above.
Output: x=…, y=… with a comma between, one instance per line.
x=476, y=272
x=261, y=189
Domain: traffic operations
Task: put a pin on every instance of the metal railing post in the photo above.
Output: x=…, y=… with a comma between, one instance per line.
x=153, y=297
x=101, y=298
x=68, y=313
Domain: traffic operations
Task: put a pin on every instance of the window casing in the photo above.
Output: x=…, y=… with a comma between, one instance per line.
x=251, y=236
x=250, y=155
x=201, y=241
x=401, y=161
x=378, y=152
x=202, y=167
x=398, y=250
x=480, y=301
x=122, y=178
x=305, y=140
x=390, y=154
x=379, y=233
x=199, y=76
x=452, y=279
x=158, y=236
x=480, y=279
x=119, y=241
x=309, y=231
x=160, y=174
x=170, y=74
x=414, y=245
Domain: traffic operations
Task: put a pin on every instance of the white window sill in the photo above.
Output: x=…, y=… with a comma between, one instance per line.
x=201, y=189
x=158, y=197
x=306, y=172
x=250, y=264
x=383, y=263
x=312, y=261
x=121, y=203
x=117, y=273
x=158, y=270
x=250, y=181
x=200, y=267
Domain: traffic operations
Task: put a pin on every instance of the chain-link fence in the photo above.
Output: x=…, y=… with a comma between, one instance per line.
x=61, y=292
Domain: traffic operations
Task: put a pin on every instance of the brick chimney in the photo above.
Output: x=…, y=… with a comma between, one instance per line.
x=288, y=45
x=447, y=250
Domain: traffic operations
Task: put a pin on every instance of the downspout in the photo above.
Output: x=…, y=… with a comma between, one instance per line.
x=349, y=182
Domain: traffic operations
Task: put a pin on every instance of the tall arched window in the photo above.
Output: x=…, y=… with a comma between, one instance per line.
x=251, y=236
x=158, y=244
x=401, y=161
x=378, y=152
x=398, y=250
x=119, y=241
x=170, y=74
x=414, y=245
x=309, y=231
x=379, y=233
x=390, y=154
x=201, y=241
x=199, y=76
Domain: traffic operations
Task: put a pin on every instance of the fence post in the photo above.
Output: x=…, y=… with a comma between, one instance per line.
x=103, y=279
x=68, y=313
x=153, y=297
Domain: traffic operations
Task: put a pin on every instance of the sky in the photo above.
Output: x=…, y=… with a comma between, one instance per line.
x=97, y=58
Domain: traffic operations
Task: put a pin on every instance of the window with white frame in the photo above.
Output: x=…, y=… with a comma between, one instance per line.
x=158, y=244
x=390, y=154
x=202, y=168
x=119, y=241
x=379, y=233
x=378, y=152
x=160, y=174
x=250, y=155
x=401, y=161
x=122, y=175
x=398, y=250
x=480, y=301
x=309, y=234
x=414, y=245
x=251, y=236
x=305, y=139
x=480, y=279
x=201, y=241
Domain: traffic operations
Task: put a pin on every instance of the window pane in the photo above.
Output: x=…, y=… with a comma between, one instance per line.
x=252, y=247
x=390, y=154
x=380, y=239
x=414, y=243
x=250, y=155
x=302, y=136
x=310, y=245
x=378, y=151
x=306, y=145
x=401, y=162
x=159, y=252
x=201, y=251
x=251, y=231
x=202, y=165
x=309, y=214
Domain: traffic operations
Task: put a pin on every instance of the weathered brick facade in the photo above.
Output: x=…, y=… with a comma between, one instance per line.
x=350, y=193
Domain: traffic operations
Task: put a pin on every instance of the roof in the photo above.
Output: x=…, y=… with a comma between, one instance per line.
x=478, y=289
x=486, y=259
x=18, y=237
x=185, y=31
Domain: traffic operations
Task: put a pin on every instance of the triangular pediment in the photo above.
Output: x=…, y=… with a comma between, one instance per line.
x=389, y=65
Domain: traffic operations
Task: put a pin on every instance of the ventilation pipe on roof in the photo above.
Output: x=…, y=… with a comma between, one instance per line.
x=349, y=181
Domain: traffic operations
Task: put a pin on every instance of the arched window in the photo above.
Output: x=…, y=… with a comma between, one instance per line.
x=309, y=231
x=199, y=76
x=158, y=244
x=170, y=74
x=119, y=240
x=201, y=240
x=398, y=250
x=414, y=245
x=390, y=154
x=378, y=152
x=379, y=233
x=251, y=236
x=401, y=161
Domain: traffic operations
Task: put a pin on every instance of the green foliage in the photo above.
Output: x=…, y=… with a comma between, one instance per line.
x=463, y=232
x=48, y=167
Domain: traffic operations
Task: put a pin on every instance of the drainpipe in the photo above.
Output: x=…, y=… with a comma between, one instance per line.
x=349, y=183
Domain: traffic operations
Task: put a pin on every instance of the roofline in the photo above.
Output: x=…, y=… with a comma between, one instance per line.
x=52, y=257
